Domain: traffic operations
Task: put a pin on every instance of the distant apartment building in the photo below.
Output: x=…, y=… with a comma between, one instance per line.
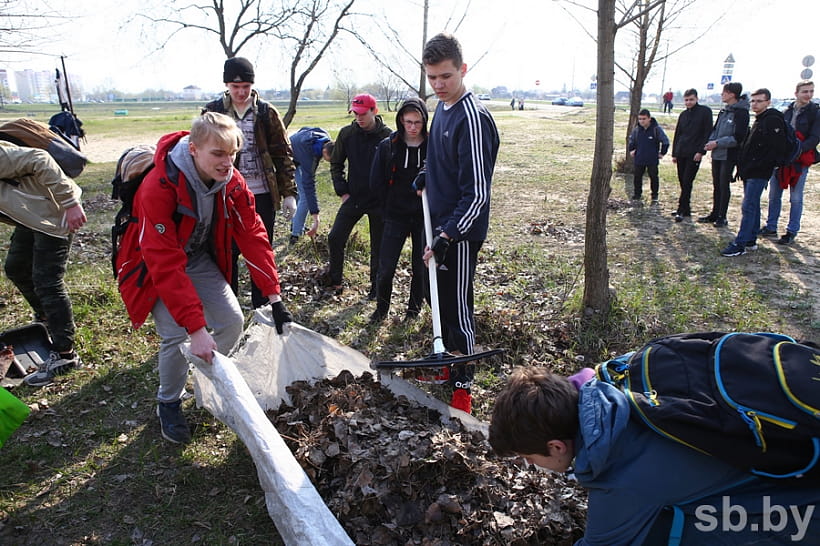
x=40, y=86
x=5, y=89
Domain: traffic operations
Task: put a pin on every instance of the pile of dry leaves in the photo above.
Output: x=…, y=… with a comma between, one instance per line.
x=392, y=473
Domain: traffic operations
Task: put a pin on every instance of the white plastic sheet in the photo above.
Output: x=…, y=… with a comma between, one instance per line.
x=239, y=390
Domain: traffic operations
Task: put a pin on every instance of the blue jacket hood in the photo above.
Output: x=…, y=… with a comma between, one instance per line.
x=603, y=416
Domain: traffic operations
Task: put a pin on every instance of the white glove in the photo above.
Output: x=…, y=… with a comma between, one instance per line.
x=288, y=207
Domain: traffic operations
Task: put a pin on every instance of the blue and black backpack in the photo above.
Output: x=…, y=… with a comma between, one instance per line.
x=751, y=400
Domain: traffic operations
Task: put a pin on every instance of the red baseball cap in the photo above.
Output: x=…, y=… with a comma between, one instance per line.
x=362, y=103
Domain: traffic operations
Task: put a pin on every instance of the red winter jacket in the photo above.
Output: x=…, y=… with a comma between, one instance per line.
x=151, y=262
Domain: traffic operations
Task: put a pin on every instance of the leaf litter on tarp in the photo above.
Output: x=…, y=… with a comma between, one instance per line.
x=392, y=473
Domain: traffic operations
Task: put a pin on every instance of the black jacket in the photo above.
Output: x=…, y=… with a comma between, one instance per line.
x=692, y=131
x=765, y=142
x=357, y=147
x=808, y=124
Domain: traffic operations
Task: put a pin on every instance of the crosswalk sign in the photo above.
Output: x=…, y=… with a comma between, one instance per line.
x=726, y=78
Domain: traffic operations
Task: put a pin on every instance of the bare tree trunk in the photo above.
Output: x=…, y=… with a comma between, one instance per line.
x=422, y=91
x=596, y=271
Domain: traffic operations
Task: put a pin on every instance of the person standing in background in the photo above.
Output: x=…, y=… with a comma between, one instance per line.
x=691, y=133
x=266, y=160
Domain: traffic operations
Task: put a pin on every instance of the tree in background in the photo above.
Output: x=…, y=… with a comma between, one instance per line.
x=403, y=61
x=304, y=28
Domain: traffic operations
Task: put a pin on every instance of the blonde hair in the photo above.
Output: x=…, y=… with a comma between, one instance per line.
x=218, y=126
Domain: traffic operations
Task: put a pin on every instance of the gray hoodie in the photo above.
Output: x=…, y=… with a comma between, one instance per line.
x=203, y=196
x=730, y=129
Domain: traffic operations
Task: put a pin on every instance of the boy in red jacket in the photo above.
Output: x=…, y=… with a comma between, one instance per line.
x=175, y=260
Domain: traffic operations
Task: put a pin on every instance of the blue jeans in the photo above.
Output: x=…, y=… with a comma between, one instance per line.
x=750, y=211
x=795, y=202
x=297, y=226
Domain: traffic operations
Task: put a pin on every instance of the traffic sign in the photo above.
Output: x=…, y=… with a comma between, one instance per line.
x=808, y=60
x=537, y=82
x=593, y=85
x=806, y=73
x=726, y=78
x=710, y=86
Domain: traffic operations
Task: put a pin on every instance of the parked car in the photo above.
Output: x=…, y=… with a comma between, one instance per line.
x=483, y=96
x=560, y=101
x=575, y=101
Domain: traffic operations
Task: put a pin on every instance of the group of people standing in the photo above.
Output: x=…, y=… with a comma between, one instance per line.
x=737, y=152
x=212, y=193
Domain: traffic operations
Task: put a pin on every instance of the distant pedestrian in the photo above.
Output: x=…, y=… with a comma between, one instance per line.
x=648, y=143
x=728, y=133
x=512, y=104
x=667, y=101
x=803, y=116
x=691, y=133
x=356, y=146
x=520, y=104
x=756, y=162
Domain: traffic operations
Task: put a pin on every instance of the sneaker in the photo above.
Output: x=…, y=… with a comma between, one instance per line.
x=655, y=200
x=56, y=364
x=766, y=232
x=721, y=222
x=371, y=296
x=411, y=315
x=462, y=400
x=733, y=250
x=787, y=238
x=293, y=240
x=707, y=219
x=752, y=246
x=440, y=379
x=681, y=217
x=172, y=423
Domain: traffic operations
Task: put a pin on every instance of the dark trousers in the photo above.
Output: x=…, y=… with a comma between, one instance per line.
x=721, y=179
x=687, y=171
x=266, y=211
x=455, y=292
x=347, y=217
x=36, y=264
x=396, y=230
x=654, y=182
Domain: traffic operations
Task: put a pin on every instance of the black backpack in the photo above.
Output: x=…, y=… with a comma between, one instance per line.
x=132, y=166
x=751, y=400
x=791, y=151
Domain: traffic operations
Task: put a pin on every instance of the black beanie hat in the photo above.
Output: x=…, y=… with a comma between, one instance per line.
x=238, y=70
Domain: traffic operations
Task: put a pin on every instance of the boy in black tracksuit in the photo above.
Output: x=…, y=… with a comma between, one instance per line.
x=356, y=144
x=398, y=160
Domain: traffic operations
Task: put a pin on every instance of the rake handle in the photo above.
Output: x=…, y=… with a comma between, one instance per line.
x=438, y=342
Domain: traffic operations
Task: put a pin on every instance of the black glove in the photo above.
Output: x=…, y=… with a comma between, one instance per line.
x=280, y=315
x=439, y=248
x=420, y=181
